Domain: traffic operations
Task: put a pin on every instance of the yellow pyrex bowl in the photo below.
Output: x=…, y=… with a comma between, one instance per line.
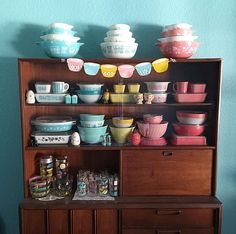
x=161, y=65
x=108, y=70
x=122, y=122
x=121, y=135
x=119, y=88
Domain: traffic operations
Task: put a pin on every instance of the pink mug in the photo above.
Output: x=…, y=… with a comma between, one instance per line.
x=197, y=88
x=180, y=87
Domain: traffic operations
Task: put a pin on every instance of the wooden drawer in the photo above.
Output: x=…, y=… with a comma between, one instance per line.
x=167, y=217
x=158, y=172
x=169, y=231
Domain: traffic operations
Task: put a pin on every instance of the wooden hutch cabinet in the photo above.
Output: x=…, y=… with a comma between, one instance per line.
x=163, y=189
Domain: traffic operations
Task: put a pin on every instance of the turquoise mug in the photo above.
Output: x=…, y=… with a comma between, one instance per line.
x=59, y=87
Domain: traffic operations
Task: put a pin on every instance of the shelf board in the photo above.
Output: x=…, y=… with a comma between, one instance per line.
x=123, y=104
x=117, y=147
x=153, y=202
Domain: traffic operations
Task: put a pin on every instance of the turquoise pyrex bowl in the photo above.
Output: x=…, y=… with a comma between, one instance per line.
x=92, y=135
x=144, y=69
x=60, y=49
x=88, y=92
x=59, y=31
x=91, y=68
x=91, y=117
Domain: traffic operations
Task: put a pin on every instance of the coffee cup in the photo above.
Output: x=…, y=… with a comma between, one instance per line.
x=180, y=87
x=59, y=87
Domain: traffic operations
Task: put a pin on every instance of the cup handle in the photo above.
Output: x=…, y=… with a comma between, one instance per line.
x=66, y=87
x=174, y=87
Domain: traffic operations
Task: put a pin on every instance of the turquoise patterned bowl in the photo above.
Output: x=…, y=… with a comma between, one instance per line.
x=91, y=69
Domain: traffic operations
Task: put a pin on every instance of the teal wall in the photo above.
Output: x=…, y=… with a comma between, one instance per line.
x=20, y=25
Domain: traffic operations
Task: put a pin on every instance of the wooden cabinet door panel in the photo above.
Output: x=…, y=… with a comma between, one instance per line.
x=157, y=172
x=58, y=221
x=106, y=220
x=82, y=222
x=169, y=231
x=33, y=222
x=167, y=217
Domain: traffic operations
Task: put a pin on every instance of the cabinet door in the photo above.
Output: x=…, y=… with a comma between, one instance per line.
x=106, y=220
x=82, y=222
x=157, y=172
x=33, y=221
x=58, y=221
x=169, y=231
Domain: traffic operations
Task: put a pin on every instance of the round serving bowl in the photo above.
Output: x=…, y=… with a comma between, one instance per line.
x=191, y=117
x=92, y=135
x=124, y=27
x=119, y=49
x=119, y=39
x=89, y=98
x=178, y=49
x=62, y=26
x=177, y=32
x=177, y=38
x=157, y=86
x=91, y=117
x=152, y=131
x=59, y=37
x=121, y=135
x=90, y=87
x=119, y=33
x=88, y=92
x=91, y=124
x=122, y=122
x=188, y=130
x=152, y=119
x=60, y=49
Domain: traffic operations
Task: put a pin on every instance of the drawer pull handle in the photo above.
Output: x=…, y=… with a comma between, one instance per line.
x=168, y=231
x=167, y=153
x=168, y=212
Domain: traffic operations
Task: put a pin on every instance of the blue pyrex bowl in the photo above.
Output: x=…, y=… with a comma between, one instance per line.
x=53, y=124
x=91, y=117
x=60, y=49
x=91, y=68
x=92, y=135
x=144, y=69
x=88, y=92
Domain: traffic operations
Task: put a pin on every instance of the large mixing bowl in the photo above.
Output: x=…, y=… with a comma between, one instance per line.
x=121, y=135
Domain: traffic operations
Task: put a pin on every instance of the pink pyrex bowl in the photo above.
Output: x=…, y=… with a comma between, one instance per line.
x=178, y=32
x=178, y=49
x=191, y=117
x=157, y=86
x=152, y=131
x=152, y=119
x=188, y=130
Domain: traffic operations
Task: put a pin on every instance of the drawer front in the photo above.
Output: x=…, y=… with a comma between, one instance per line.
x=169, y=231
x=167, y=217
x=157, y=172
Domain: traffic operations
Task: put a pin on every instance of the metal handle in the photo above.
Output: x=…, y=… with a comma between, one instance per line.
x=168, y=231
x=168, y=212
x=167, y=153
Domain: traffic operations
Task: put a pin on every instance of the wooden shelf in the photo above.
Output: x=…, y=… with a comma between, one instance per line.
x=127, y=202
x=100, y=147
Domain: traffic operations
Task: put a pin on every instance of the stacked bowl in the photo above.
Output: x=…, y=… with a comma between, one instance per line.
x=119, y=42
x=159, y=90
x=122, y=129
x=92, y=128
x=152, y=129
x=89, y=93
x=189, y=128
x=58, y=41
x=178, y=41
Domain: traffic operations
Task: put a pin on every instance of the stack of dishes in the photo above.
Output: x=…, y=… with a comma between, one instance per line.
x=178, y=41
x=91, y=128
x=121, y=129
x=52, y=129
x=189, y=128
x=58, y=41
x=159, y=90
x=152, y=129
x=89, y=93
x=119, y=42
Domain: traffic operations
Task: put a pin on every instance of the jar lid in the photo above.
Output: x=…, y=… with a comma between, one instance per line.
x=46, y=159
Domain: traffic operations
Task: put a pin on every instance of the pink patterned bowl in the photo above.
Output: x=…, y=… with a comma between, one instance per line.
x=178, y=32
x=152, y=131
x=178, y=49
x=188, y=130
x=159, y=97
x=191, y=117
x=157, y=86
x=126, y=70
x=152, y=119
